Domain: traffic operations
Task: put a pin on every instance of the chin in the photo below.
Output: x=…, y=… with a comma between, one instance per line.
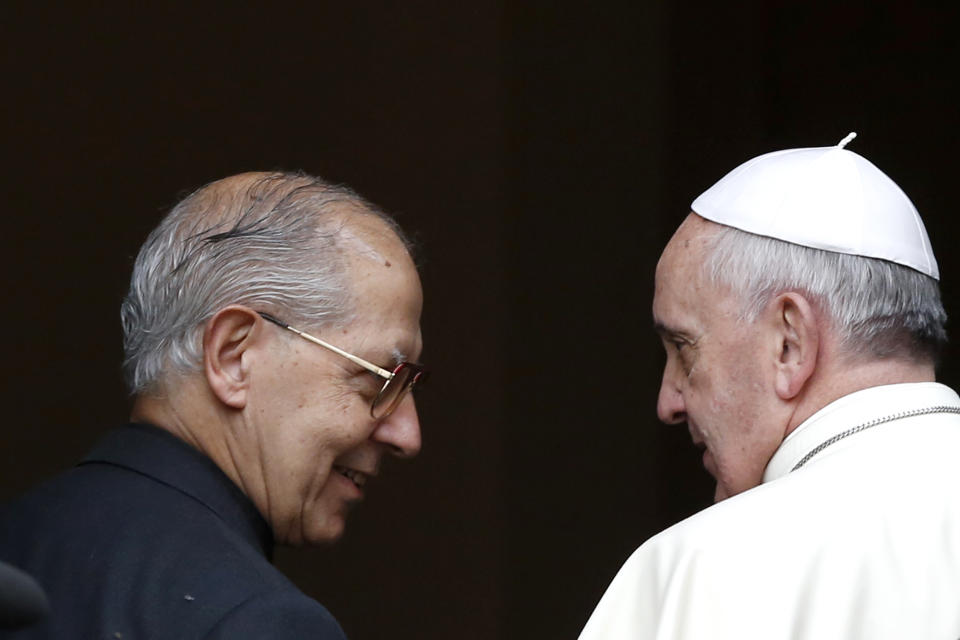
x=325, y=532
x=328, y=534
x=720, y=493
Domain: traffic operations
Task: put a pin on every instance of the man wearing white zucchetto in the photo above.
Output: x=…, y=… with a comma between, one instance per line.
x=800, y=311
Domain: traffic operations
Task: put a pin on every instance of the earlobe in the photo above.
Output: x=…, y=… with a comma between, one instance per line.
x=226, y=338
x=798, y=343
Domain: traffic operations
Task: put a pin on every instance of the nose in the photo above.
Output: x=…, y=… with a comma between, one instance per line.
x=400, y=431
x=670, y=407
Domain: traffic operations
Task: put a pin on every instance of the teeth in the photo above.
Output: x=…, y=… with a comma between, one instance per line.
x=354, y=476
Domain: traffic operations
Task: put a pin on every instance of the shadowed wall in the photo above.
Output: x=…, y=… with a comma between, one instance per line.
x=541, y=154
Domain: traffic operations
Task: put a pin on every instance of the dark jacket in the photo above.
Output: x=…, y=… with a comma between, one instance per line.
x=148, y=539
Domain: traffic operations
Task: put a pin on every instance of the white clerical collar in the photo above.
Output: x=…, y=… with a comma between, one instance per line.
x=872, y=406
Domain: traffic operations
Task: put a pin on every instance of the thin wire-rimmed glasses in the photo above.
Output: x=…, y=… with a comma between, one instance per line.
x=402, y=379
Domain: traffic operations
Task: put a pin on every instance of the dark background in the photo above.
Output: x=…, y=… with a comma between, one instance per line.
x=541, y=153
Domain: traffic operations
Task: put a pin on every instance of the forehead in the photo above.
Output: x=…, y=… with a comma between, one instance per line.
x=377, y=261
x=680, y=285
x=385, y=288
x=690, y=243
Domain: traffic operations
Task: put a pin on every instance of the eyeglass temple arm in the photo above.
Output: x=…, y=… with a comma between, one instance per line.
x=369, y=366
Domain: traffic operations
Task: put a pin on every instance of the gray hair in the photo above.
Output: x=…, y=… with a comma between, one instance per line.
x=270, y=241
x=879, y=309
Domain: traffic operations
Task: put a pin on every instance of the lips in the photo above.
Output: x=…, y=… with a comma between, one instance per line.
x=708, y=462
x=701, y=445
x=356, y=477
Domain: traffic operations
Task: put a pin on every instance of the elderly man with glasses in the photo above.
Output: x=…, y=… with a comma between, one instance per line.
x=270, y=329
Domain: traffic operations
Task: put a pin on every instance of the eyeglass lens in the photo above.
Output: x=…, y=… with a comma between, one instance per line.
x=404, y=378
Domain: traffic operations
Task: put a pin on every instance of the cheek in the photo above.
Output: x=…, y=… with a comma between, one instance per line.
x=706, y=388
x=326, y=397
x=721, y=400
x=340, y=420
x=309, y=421
x=737, y=433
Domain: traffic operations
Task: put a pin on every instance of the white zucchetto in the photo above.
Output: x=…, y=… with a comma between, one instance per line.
x=827, y=198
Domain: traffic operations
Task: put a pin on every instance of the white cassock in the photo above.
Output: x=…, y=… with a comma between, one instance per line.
x=862, y=541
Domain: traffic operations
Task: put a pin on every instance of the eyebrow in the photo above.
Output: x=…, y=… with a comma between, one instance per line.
x=663, y=329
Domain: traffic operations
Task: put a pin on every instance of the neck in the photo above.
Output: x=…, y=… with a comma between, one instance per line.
x=159, y=411
x=836, y=382
x=188, y=417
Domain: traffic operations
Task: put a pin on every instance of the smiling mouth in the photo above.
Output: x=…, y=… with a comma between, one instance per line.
x=356, y=477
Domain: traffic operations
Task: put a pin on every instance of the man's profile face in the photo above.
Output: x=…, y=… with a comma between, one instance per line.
x=316, y=441
x=716, y=377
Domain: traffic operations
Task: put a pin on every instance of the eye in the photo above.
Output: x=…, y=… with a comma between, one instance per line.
x=685, y=350
x=676, y=342
x=368, y=384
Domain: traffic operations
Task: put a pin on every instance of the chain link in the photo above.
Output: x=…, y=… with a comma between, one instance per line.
x=873, y=423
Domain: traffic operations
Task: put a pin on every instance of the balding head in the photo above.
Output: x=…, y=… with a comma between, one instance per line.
x=274, y=241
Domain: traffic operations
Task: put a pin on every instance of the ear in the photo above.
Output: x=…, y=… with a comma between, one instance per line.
x=226, y=338
x=797, y=334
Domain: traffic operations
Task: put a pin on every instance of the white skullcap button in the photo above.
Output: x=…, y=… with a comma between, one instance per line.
x=826, y=198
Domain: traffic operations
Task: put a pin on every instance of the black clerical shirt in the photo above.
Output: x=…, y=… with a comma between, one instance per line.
x=149, y=539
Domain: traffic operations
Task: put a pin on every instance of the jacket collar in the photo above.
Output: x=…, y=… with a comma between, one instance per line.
x=160, y=455
x=875, y=403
